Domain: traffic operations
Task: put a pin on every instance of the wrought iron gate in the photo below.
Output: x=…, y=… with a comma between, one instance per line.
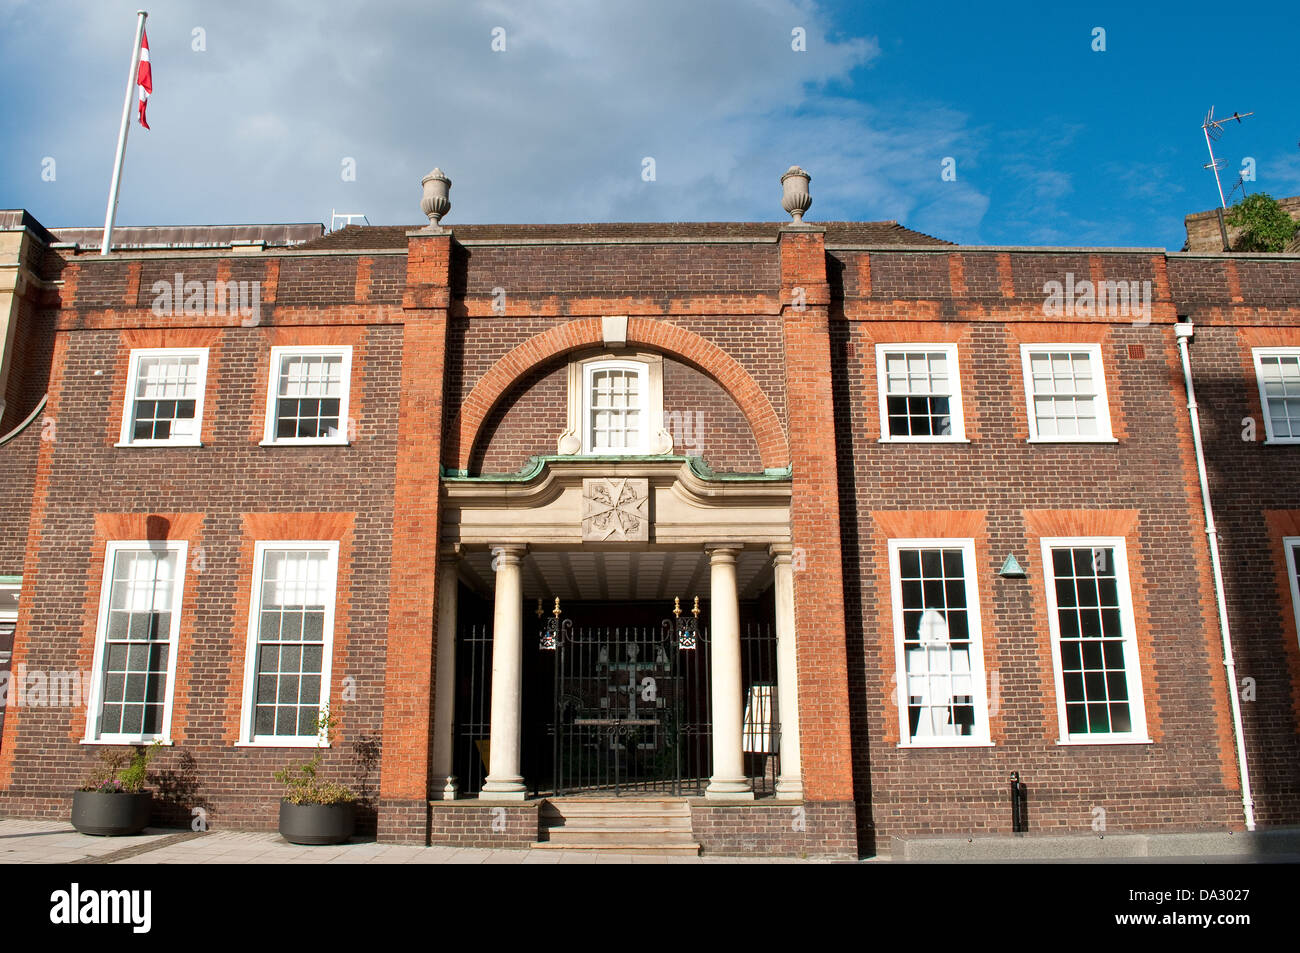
x=628, y=711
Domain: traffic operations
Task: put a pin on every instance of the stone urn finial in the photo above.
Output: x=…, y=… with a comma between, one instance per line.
x=435, y=203
x=794, y=192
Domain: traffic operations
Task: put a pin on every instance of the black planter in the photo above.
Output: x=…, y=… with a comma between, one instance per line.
x=110, y=815
x=317, y=823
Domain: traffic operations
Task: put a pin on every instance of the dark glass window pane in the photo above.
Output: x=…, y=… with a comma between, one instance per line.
x=286, y=721
x=1076, y=719
x=1071, y=660
x=132, y=719
x=288, y=693
x=1114, y=652
x=114, y=686
x=1098, y=718
x=1119, y=718
x=311, y=689
x=110, y=719
x=910, y=563
x=1061, y=562
x=931, y=563
x=1091, y=654
x=266, y=689
x=264, y=720
x=152, y=719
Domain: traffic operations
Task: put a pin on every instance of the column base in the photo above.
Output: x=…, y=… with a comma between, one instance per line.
x=507, y=789
x=730, y=789
x=789, y=789
x=445, y=789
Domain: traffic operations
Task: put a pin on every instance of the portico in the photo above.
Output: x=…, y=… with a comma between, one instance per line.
x=636, y=530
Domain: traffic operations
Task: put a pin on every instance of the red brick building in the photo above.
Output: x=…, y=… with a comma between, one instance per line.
x=940, y=505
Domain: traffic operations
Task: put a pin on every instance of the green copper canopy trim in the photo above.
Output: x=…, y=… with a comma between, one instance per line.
x=535, y=465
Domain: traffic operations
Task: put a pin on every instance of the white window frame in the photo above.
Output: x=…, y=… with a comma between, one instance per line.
x=1288, y=549
x=1132, y=661
x=278, y=354
x=248, y=707
x=955, y=411
x=980, y=738
x=94, y=703
x=1104, y=432
x=1256, y=354
x=128, y=410
x=642, y=370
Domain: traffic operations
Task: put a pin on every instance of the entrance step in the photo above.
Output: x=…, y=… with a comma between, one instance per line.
x=618, y=825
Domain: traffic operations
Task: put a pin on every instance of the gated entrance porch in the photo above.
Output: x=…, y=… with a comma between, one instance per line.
x=617, y=701
x=617, y=694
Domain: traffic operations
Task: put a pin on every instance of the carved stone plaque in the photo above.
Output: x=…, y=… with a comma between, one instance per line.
x=616, y=510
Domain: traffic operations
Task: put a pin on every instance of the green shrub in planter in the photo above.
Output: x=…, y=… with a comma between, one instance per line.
x=113, y=801
x=313, y=811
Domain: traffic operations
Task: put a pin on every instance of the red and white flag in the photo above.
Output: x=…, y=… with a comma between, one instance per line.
x=144, y=79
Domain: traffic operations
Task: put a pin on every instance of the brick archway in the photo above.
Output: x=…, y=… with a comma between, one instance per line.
x=670, y=339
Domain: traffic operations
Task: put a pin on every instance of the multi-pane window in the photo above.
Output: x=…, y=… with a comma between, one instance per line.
x=308, y=402
x=135, y=653
x=291, y=634
x=937, y=635
x=1066, y=390
x=1291, y=546
x=920, y=394
x=164, y=398
x=1278, y=371
x=616, y=411
x=1099, y=690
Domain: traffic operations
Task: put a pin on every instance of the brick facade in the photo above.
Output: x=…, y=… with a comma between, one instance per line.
x=460, y=348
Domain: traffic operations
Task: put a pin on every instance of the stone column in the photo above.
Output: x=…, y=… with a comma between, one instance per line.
x=445, y=786
x=504, y=782
x=729, y=779
x=789, y=784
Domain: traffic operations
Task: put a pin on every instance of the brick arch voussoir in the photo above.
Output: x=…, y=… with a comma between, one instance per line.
x=661, y=336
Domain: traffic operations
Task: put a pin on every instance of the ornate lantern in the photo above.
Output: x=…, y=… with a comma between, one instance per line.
x=688, y=629
x=548, y=636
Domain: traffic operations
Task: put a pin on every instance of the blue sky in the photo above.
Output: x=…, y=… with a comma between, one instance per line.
x=1053, y=143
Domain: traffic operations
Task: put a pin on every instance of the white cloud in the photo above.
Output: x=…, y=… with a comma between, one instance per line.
x=553, y=129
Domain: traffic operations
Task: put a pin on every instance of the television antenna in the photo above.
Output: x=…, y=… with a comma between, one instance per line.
x=1213, y=129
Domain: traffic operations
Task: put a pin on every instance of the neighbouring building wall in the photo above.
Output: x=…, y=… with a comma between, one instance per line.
x=1237, y=306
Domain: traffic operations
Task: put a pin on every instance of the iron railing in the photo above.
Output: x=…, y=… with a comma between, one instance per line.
x=631, y=713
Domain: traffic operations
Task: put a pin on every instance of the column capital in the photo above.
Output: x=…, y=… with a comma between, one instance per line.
x=449, y=553
x=781, y=552
x=508, y=553
x=722, y=550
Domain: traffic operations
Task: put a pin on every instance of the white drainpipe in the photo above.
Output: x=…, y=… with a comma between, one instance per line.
x=1183, y=331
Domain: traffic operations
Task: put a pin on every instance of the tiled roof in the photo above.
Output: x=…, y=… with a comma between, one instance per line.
x=842, y=233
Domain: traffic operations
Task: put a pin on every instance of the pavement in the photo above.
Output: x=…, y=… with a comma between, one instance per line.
x=55, y=842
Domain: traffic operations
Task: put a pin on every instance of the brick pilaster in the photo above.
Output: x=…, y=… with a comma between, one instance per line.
x=814, y=515
x=413, y=586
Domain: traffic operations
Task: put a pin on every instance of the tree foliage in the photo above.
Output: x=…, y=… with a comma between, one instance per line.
x=1265, y=225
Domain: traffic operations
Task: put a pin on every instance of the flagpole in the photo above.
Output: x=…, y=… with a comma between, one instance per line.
x=121, y=136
